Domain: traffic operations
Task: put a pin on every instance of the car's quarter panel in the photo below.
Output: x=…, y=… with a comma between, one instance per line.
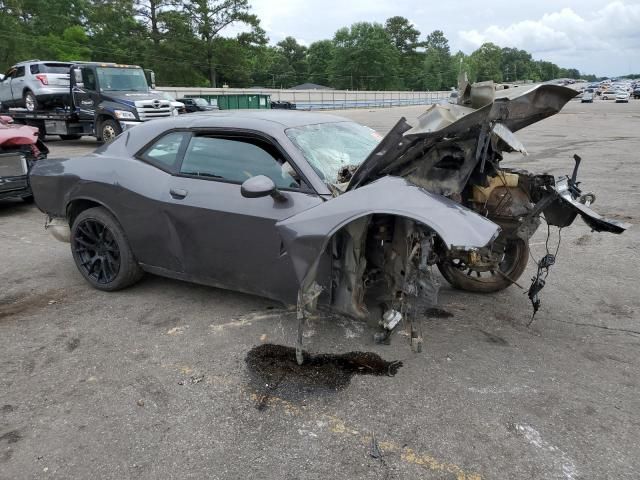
x=135, y=192
x=231, y=241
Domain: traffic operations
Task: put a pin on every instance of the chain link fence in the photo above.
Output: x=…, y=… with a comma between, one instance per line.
x=322, y=99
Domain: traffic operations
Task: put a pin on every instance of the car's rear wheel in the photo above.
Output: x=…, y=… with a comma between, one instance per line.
x=109, y=130
x=101, y=251
x=30, y=101
x=512, y=265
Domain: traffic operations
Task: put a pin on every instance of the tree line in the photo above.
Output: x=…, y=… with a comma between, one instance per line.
x=183, y=42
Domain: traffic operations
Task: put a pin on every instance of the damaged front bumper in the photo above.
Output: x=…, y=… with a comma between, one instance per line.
x=567, y=205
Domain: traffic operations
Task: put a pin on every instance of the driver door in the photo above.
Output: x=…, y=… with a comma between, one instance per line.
x=84, y=91
x=228, y=240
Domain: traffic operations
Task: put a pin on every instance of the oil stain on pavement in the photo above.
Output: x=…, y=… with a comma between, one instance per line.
x=273, y=370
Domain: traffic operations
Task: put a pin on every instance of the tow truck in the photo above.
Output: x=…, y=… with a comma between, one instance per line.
x=104, y=100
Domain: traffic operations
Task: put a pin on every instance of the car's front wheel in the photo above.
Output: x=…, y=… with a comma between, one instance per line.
x=513, y=262
x=30, y=101
x=109, y=130
x=101, y=251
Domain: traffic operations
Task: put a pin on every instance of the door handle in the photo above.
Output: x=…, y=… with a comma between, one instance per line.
x=178, y=193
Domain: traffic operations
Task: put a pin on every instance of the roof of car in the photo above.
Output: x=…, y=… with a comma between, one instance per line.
x=285, y=118
x=270, y=122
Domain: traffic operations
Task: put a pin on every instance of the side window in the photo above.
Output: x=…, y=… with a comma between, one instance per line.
x=164, y=151
x=33, y=68
x=19, y=71
x=235, y=160
x=89, y=79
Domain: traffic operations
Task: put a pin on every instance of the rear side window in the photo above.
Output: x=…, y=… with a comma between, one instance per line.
x=34, y=68
x=164, y=151
x=235, y=160
x=54, y=68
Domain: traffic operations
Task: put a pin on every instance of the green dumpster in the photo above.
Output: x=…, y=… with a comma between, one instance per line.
x=237, y=101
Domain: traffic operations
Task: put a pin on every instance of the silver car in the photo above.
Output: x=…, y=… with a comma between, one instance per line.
x=35, y=83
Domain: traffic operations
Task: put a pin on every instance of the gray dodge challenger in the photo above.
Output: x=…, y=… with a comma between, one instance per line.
x=315, y=210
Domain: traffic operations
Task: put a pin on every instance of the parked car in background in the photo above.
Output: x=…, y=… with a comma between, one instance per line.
x=608, y=95
x=179, y=106
x=19, y=150
x=622, y=96
x=34, y=83
x=197, y=105
x=587, y=96
x=636, y=92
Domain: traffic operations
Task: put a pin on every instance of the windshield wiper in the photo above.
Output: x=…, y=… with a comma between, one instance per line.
x=202, y=174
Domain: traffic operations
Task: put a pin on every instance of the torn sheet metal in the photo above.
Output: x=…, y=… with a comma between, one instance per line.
x=514, y=110
x=594, y=220
x=306, y=234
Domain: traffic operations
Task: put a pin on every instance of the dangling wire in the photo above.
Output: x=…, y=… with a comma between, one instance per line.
x=539, y=280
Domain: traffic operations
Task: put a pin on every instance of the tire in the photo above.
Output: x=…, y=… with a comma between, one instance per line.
x=101, y=251
x=109, y=130
x=29, y=101
x=513, y=266
x=70, y=137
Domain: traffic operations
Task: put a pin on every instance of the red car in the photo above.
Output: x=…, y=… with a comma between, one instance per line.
x=20, y=148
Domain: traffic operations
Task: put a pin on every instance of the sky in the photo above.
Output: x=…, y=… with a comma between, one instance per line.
x=600, y=37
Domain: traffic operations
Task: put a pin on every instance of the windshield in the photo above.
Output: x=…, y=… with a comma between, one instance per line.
x=330, y=147
x=200, y=102
x=114, y=79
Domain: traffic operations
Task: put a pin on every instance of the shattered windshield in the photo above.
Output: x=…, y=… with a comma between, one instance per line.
x=331, y=147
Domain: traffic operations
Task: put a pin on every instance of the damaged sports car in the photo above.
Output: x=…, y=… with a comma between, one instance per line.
x=20, y=148
x=315, y=210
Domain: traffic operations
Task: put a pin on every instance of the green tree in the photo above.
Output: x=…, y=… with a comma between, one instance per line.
x=209, y=18
x=517, y=65
x=73, y=44
x=547, y=70
x=364, y=58
x=439, y=73
x=150, y=11
x=488, y=62
x=403, y=34
x=296, y=56
x=405, y=37
x=115, y=34
x=319, y=58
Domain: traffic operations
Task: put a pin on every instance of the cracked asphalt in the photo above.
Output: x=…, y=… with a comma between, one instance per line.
x=151, y=382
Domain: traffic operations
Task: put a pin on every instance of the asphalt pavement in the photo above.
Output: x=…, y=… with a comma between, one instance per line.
x=152, y=382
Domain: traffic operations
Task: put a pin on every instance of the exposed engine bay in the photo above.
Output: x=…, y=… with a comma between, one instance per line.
x=453, y=152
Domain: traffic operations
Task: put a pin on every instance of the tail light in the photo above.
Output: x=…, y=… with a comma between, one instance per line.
x=43, y=79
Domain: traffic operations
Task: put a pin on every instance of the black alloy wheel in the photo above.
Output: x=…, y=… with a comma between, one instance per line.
x=101, y=251
x=97, y=250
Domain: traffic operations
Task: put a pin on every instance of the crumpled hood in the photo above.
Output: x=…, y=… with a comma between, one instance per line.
x=512, y=108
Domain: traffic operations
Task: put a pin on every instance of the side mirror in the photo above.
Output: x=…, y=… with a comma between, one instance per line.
x=153, y=79
x=260, y=186
x=77, y=78
x=1, y=77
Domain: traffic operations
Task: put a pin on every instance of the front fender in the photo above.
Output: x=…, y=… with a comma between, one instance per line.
x=307, y=234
